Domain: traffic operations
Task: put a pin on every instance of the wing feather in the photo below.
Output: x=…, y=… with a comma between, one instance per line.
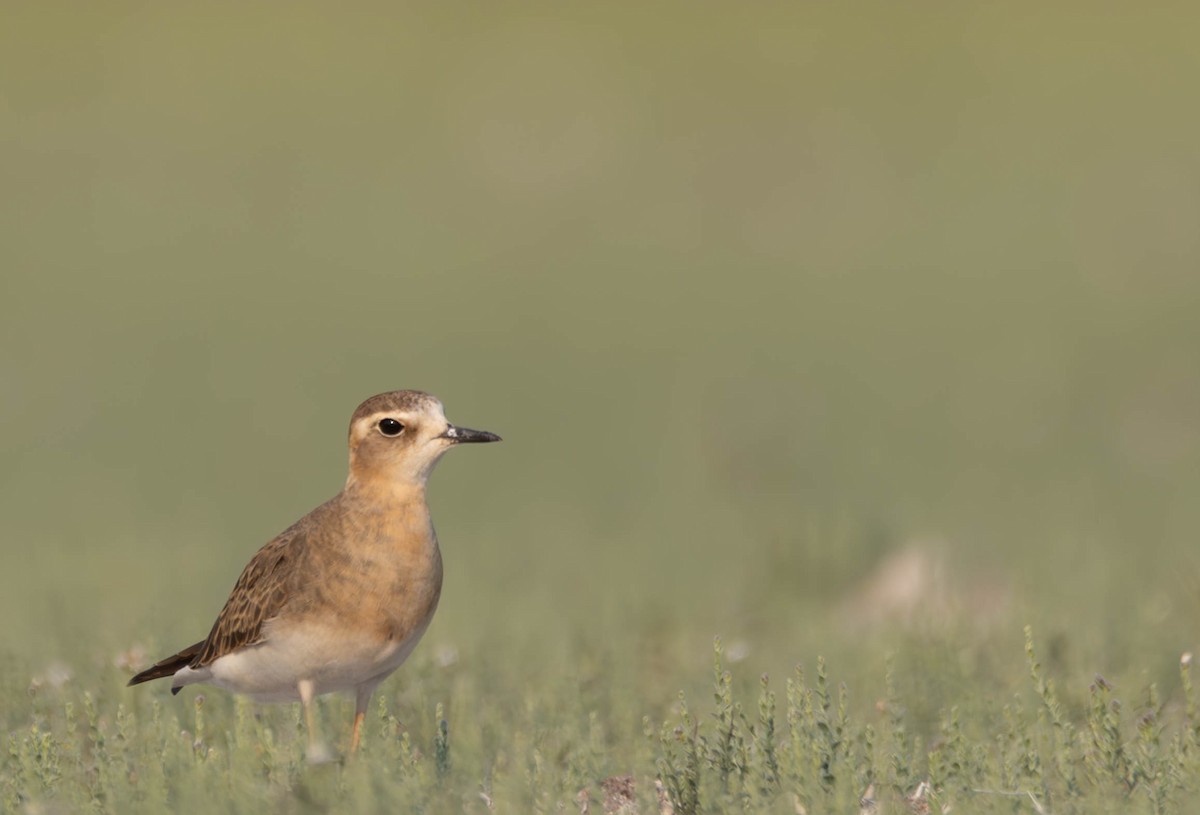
x=262, y=590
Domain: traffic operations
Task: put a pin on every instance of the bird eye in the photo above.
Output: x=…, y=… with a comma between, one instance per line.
x=390, y=427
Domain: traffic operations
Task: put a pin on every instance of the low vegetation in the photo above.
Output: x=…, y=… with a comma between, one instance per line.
x=807, y=744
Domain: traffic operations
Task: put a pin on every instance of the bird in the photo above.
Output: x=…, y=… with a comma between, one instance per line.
x=338, y=600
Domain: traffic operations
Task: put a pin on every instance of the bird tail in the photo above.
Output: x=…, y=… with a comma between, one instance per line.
x=169, y=666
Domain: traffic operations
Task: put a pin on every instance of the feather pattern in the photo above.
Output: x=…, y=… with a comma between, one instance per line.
x=168, y=667
x=260, y=593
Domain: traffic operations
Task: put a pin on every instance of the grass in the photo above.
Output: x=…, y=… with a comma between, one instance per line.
x=811, y=747
x=858, y=337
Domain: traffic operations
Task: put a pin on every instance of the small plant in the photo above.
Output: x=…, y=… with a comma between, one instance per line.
x=810, y=749
x=824, y=759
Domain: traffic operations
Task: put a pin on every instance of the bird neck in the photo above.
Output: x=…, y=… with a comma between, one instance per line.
x=394, y=513
x=376, y=490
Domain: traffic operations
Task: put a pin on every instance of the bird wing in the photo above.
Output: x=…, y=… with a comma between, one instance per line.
x=168, y=666
x=261, y=591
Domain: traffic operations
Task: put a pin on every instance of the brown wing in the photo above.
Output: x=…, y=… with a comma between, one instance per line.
x=168, y=666
x=260, y=593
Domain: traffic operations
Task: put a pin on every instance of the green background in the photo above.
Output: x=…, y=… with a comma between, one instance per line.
x=758, y=296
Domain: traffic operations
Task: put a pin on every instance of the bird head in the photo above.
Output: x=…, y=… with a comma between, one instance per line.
x=396, y=438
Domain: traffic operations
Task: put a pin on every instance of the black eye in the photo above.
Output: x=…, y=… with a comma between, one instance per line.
x=390, y=427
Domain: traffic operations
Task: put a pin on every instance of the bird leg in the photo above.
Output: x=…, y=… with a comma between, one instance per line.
x=356, y=734
x=317, y=753
x=362, y=697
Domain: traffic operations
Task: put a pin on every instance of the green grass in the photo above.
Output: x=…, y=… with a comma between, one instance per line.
x=807, y=745
x=858, y=333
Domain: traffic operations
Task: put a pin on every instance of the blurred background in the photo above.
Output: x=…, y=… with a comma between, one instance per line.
x=844, y=330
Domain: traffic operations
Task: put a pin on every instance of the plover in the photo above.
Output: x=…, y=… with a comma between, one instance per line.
x=338, y=600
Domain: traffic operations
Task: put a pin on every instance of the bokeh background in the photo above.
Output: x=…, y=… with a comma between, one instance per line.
x=856, y=330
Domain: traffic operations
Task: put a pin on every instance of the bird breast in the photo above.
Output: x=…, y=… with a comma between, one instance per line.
x=384, y=574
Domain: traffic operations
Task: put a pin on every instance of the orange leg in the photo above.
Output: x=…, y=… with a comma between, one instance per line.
x=362, y=698
x=356, y=734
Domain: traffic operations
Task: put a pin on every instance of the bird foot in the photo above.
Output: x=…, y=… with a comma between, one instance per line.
x=319, y=753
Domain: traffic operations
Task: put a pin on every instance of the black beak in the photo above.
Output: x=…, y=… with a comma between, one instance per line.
x=465, y=435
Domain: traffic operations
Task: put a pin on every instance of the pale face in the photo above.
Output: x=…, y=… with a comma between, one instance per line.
x=401, y=446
